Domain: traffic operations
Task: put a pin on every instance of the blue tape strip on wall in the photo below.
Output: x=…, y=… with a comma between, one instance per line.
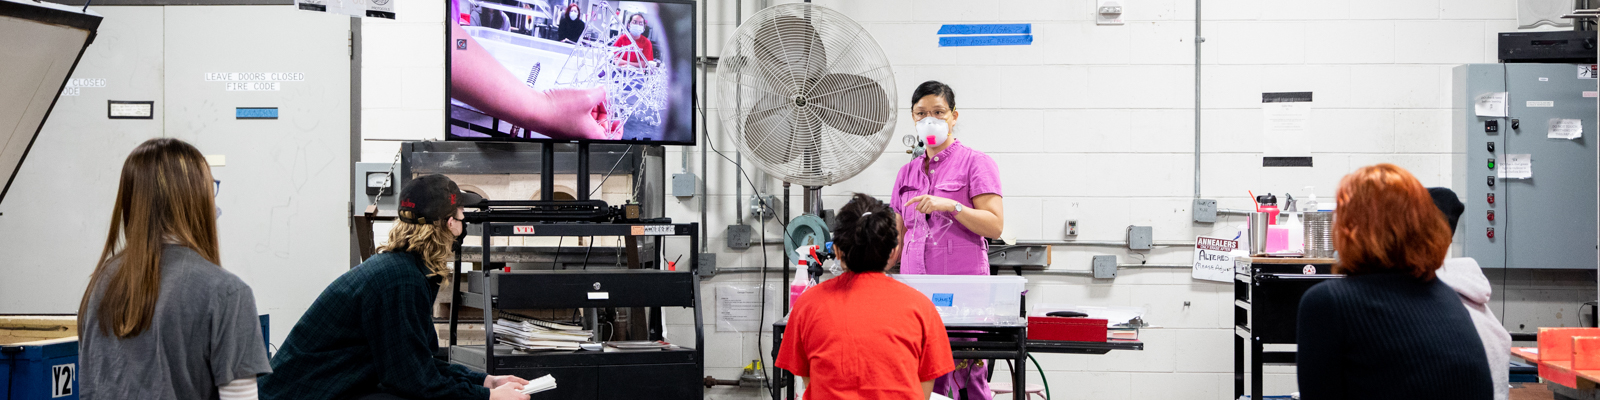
x=1001, y=40
x=986, y=29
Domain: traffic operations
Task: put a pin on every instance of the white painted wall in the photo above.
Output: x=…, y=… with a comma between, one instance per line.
x=284, y=225
x=1092, y=123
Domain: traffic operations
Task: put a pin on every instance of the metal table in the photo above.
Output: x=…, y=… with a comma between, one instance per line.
x=1266, y=303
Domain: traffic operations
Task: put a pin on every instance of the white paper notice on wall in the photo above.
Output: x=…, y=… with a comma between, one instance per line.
x=1490, y=105
x=1541, y=103
x=1564, y=128
x=1213, y=259
x=1517, y=166
x=739, y=307
x=1286, y=124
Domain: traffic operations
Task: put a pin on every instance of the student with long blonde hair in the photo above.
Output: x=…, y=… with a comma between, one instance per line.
x=370, y=335
x=160, y=319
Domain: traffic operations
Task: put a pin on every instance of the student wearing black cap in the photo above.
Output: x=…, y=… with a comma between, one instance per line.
x=370, y=335
x=1465, y=276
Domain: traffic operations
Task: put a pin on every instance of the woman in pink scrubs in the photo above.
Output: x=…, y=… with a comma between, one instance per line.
x=950, y=199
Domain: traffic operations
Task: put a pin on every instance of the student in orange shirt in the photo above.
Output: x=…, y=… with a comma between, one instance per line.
x=864, y=335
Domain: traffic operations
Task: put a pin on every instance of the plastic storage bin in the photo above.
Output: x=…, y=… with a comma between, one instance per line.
x=969, y=299
x=39, y=370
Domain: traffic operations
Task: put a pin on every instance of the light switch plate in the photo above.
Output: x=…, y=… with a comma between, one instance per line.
x=1108, y=12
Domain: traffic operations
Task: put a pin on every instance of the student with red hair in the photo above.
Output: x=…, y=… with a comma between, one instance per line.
x=1389, y=329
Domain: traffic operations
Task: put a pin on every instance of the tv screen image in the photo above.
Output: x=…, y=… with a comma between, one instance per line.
x=571, y=70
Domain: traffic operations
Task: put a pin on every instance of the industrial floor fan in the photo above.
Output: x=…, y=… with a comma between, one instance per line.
x=807, y=95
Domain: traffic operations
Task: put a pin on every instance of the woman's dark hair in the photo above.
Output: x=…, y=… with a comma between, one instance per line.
x=866, y=234
x=935, y=88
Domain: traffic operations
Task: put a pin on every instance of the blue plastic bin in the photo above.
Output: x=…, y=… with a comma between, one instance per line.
x=41, y=370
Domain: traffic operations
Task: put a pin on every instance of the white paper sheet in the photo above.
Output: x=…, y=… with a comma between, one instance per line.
x=1562, y=128
x=739, y=307
x=1517, y=166
x=1286, y=127
x=1213, y=259
x=1490, y=105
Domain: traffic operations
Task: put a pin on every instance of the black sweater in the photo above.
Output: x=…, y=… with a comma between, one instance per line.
x=370, y=331
x=1389, y=336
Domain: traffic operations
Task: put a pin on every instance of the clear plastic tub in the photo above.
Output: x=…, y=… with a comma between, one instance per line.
x=968, y=299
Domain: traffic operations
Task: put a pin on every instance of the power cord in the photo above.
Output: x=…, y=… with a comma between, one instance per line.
x=608, y=173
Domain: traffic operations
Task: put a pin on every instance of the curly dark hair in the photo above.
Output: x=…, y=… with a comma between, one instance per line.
x=866, y=234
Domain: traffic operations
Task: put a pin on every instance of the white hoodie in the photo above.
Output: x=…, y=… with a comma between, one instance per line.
x=1464, y=275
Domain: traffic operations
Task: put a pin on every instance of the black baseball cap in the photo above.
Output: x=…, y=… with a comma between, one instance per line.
x=432, y=198
x=1448, y=203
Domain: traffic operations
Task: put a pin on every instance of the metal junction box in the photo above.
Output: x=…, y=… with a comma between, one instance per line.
x=1546, y=221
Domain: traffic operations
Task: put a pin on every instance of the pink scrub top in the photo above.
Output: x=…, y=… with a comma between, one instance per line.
x=937, y=244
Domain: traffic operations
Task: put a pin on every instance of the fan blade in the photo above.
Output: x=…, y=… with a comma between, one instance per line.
x=793, y=44
x=805, y=141
x=853, y=104
x=766, y=129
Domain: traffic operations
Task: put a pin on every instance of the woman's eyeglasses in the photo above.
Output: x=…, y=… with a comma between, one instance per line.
x=924, y=114
x=217, y=188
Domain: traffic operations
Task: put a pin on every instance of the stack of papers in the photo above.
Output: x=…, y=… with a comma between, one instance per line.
x=637, y=345
x=536, y=335
x=539, y=385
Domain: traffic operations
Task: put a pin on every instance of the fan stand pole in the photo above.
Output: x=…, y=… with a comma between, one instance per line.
x=786, y=265
x=813, y=200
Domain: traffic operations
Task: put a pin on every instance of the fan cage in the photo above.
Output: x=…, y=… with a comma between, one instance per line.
x=806, y=94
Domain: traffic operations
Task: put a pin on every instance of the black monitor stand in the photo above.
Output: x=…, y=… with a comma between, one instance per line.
x=547, y=208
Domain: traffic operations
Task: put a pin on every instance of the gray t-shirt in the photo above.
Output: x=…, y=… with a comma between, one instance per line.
x=205, y=333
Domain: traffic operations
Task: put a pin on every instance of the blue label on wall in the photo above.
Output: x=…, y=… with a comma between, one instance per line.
x=1000, y=40
x=986, y=29
x=986, y=35
x=255, y=113
x=944, y=299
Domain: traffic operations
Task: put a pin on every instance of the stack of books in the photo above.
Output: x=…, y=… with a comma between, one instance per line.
x=531, y=335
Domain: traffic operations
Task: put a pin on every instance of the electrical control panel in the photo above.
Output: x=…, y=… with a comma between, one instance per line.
x=1545, y=220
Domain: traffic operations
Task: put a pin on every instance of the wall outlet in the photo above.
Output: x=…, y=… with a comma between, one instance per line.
x=1205, y=210
x=759, y=212
x=1105, y=267
x=1072, y=227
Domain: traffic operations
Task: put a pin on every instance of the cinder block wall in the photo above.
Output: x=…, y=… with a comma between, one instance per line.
x=1095, y=123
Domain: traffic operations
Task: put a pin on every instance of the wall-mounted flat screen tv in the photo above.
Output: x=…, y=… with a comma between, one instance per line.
x=571, y=70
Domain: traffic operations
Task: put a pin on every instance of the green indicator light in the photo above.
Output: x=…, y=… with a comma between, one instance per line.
x=1491, y=163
